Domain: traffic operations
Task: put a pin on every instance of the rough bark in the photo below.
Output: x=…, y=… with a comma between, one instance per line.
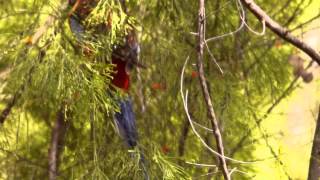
x=314, y=166
x=280, y=31
x=57, y=138
x=183, y=137
x=206, y=94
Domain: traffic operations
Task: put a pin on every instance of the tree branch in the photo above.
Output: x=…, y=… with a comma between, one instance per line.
x=44, y=28
x=314, y=167
x=205, y=91
x=57, y=138
x=31, y=41
x=12, y=102
x=280, y=31
x=184, y=134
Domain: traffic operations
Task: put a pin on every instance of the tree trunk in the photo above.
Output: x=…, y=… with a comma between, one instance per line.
x=57, y=137
x=314, y=167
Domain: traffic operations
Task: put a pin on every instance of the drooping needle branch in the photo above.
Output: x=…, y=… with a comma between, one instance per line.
x=281, y=31
x=33, y=40
x=205, y=91
x=13, y=101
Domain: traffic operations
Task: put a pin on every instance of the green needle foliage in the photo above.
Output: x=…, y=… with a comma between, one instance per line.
x=56, y=73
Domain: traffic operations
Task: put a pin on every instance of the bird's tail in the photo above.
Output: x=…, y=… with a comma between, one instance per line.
x=126, y=124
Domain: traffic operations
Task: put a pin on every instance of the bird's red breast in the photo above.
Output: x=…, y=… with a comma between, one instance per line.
x=121, y=78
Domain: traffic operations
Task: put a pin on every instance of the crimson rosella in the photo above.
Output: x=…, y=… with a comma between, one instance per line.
x=124, y=57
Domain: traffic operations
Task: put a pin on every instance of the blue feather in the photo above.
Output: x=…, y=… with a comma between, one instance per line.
x=76, y=28
x=126, y=123
x=125, y=120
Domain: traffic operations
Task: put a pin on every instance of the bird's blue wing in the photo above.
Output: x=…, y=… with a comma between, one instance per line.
x=125, y=120
x=76, y=28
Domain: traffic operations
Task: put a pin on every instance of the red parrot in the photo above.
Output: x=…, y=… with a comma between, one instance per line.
x=121, y=78
x=124, y=57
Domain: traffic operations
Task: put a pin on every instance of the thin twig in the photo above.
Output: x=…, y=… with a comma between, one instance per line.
x=285, y=93
x=272, y=151
x=200, y=164
x=243, y=18
x=241, y=13
x=185, y=105
x=305, y=23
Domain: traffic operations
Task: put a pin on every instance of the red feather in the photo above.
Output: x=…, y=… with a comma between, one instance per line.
x=121, y=78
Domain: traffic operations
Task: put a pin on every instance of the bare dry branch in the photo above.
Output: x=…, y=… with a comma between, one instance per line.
x=205, y=91
x=281, y=31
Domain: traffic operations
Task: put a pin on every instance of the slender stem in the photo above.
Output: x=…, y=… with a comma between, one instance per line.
x=205, y=91
x=285, y=94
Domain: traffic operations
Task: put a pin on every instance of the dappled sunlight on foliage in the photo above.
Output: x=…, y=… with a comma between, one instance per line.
x=64, y=73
